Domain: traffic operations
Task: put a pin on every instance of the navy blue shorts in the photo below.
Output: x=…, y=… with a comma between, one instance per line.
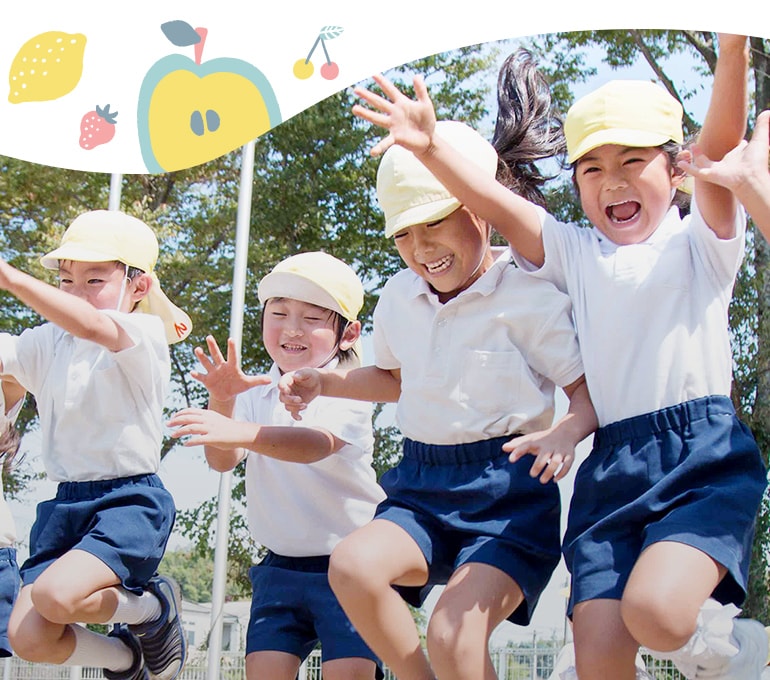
x=468, y=503
x=9, y=589
x=691, y=473
x=293, y=608
x=124, y=522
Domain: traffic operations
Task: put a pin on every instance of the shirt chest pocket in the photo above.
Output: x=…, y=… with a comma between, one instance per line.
x=491, y=381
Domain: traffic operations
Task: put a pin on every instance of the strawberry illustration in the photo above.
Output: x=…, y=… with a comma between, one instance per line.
x=97, y=127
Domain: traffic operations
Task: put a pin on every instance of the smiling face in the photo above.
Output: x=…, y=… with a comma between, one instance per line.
x=99, y=283
x=449, y=254
x=297, y=334
x=625, y=191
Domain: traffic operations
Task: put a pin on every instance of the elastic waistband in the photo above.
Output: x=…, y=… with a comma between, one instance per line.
x=675, y=417
x=316, y=564
x=456, y=454
x=73, y=491
x=8, y=554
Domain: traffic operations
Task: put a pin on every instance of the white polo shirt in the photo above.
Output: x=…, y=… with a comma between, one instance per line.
x=483, y=364
x=101, y=412
x=652, y=317
x=305, y=509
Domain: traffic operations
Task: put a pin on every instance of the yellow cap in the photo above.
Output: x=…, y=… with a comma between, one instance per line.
x=625, y=112
x=111, y=235
x=408, y=192
x=317, y=278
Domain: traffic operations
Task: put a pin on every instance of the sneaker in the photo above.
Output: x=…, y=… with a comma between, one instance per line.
x=163, y=641
x=751, y=659
x=137, y=670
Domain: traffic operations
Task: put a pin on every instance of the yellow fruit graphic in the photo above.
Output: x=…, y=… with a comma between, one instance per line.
x=46, y=67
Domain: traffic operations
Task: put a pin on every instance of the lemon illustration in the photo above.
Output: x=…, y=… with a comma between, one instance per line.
x=46, y=67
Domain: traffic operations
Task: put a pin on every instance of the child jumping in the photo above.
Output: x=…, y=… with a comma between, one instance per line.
x=307, y=486
x=471, y=349
x=11, y=400
x=99, y=371
x=660, y=528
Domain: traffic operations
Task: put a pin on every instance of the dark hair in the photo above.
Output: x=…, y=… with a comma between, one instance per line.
x=10, y=439
x=340, y=324
x=528, y=129
x=132, y=271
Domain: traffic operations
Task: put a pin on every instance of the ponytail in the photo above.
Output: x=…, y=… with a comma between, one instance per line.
x=527, y=129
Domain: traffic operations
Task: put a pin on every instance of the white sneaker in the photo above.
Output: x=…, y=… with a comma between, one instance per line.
x=751, y=659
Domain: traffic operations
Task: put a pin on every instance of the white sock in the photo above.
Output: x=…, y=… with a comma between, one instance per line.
x=134, y=608
x=711, y=645
x=94, y=649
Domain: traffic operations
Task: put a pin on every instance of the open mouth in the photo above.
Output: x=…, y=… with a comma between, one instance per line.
x=623, y=212
x=439, y=265
x=290, y=347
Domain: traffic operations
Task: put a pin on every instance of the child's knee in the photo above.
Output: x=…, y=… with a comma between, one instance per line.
x=652, y=620
x=347, y=566
x=53, y=602
x=29, y=636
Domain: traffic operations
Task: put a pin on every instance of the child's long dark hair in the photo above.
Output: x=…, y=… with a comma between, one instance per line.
x=528, y=129
x=9, y=443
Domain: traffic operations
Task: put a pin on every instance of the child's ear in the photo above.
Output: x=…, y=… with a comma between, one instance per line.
x=351, y=334
x=141, y=286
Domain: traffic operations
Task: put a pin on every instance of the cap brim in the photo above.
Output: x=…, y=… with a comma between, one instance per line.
x=421, y=214
x=297, y=287
x=619, y=137
x=75, y=253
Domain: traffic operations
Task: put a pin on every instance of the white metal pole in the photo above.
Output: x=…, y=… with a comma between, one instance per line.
x=225, y=480
x=116, y=181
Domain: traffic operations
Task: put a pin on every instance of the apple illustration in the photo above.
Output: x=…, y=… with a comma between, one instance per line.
x=192, y=111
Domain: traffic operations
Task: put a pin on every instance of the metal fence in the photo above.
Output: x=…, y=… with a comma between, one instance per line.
x=520, y=663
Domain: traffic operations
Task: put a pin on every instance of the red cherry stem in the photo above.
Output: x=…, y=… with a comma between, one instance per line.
x=326, y=53
x=202, y=32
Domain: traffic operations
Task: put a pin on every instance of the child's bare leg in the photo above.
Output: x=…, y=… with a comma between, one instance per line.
x=665, y=592
x=271, y=666
x=35, y=638
x=604, y=649
x=349, y=669
x=76, y=587
x=361, y=570
x=476, y=600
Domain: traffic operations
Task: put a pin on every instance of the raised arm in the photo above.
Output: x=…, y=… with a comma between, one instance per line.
x=75, y=315
x=411, y=123
x=723, y=129
x=744, y=171
x=223, y=378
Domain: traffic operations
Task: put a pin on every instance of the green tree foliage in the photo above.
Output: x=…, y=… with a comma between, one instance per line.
x=195, y=575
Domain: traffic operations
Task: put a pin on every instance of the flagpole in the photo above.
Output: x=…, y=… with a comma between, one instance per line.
x=116, y=181
x=225, y=480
